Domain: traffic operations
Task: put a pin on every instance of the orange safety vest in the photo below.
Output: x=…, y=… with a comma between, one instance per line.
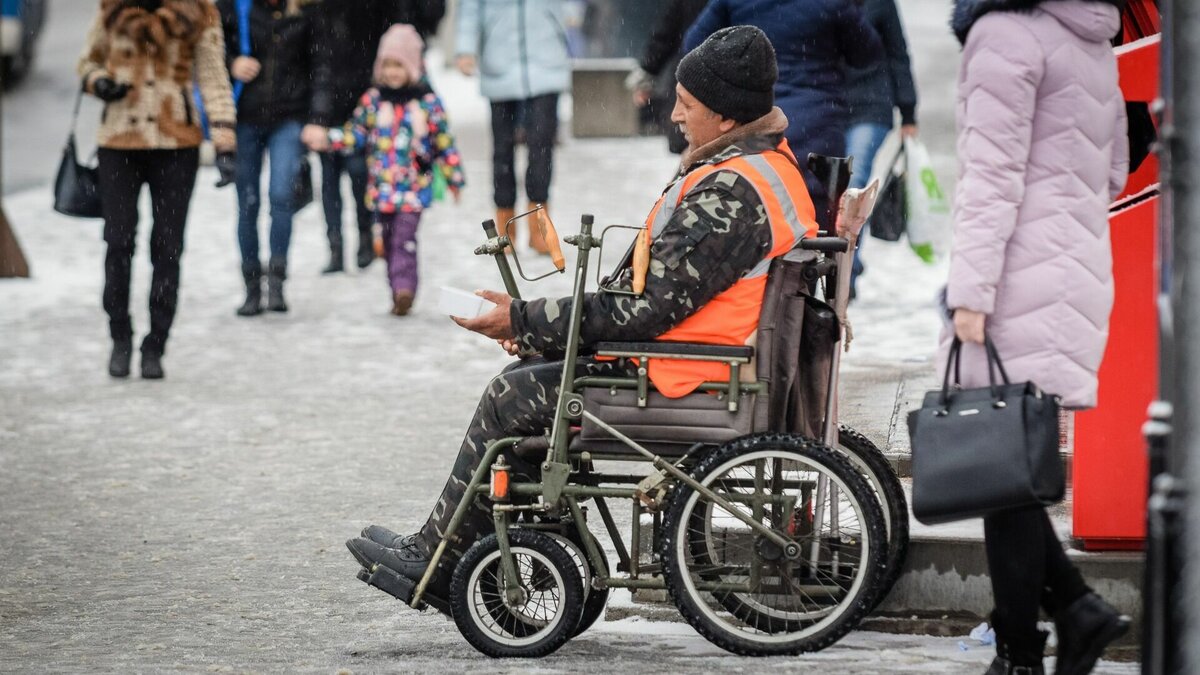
x=732, y=316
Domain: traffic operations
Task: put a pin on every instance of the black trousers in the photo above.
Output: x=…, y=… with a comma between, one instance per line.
x=540, y=117
x=1029, y=569
x=333, y=165
x=171, y=175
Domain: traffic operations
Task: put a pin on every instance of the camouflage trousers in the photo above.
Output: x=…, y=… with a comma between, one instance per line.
x=518, y=402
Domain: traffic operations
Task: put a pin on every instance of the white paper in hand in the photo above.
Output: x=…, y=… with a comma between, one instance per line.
x=463, y=304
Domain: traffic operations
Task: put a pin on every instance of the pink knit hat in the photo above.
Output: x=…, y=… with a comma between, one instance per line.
x=403, y=44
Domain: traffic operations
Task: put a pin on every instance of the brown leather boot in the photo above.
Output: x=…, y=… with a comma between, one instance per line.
x=502, y=226
x=537, y=242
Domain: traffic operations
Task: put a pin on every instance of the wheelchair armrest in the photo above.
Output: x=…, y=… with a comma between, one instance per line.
x=676, y=350
x=825, y=244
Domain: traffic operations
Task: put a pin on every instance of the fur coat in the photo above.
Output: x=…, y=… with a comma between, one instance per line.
x=159, y=52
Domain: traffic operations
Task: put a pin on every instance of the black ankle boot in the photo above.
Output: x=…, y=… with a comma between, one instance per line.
x=336, y=259
x=276, y=273
x=252, y=275
x=366, y=250
x=1085, y=628
x=152, y=366
x=1019, y=659
x=122, y=354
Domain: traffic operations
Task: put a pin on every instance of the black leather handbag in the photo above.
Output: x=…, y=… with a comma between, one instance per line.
x=302, y=187
x=77, y=187
x=980, y=451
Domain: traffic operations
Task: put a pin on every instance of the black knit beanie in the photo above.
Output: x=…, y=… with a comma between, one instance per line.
x=733, y=73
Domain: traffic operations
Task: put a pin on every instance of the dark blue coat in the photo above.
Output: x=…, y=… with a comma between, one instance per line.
x=813, y=40
x=874, y=91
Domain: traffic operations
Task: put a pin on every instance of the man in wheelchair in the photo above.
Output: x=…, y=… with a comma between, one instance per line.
x=738, y=202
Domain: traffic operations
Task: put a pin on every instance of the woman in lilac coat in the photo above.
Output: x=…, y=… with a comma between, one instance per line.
x=1043, y=150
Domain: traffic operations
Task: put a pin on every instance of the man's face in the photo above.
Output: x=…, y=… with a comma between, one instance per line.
x=698, y=123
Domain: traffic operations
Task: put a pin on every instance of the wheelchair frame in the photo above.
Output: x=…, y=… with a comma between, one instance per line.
x=556, y=485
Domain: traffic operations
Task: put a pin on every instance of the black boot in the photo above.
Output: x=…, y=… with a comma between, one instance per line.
x=276, y=273
x=366, y=250
x=122, y=354
x=1017, y=659
x=1085, y=628
x=152, y=366
x=252, y=274
x=336, y=259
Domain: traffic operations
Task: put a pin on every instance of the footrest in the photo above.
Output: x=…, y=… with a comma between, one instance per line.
x=386, y=580
x=400, y=587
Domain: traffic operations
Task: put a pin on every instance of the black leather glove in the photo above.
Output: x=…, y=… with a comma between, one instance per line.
x=227, y=167
x=108, y=90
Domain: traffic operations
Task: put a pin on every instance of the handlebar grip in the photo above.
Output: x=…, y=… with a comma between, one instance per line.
x=550, y=235
x=825, y=244
x=641, y=261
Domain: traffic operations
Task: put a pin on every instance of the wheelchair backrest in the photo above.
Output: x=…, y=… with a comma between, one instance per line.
x=797, y=334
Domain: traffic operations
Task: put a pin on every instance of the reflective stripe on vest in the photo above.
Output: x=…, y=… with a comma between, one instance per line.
x=731, y=318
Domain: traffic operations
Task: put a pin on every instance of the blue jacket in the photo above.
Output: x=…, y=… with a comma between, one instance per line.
x=520, y=46
x=814, y=40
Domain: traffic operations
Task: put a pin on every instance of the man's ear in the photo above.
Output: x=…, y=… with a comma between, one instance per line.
x=727, y=125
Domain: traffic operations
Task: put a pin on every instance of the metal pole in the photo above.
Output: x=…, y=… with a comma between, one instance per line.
x=1183, y=143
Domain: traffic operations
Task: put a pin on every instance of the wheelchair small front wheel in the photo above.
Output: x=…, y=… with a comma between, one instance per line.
x=545, y=616
x=741, y=589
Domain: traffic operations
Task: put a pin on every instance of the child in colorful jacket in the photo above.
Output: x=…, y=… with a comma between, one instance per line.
x=404, y=128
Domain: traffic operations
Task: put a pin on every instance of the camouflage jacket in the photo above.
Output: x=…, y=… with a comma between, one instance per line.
x=717, y=234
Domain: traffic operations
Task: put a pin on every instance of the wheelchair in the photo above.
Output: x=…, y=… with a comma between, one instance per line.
x=773, y=529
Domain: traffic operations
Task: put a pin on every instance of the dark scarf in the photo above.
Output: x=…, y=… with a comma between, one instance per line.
x=967, y=12
x=403, y=94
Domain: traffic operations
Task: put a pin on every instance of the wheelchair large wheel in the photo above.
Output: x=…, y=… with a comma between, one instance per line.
x=548, y=612
x=595, y=600
x=875, y=467
x=812, y=496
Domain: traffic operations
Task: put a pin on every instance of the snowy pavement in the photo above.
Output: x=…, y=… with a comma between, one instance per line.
x=197, y=523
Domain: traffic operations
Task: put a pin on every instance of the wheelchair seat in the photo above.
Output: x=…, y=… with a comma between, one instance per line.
x=789, y=364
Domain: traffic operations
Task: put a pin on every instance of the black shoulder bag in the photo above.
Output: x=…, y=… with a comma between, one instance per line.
x=77, y=187
x=980, y=451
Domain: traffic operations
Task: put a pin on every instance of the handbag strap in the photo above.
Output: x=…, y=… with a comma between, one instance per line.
x=954, y=361
x=242, y=8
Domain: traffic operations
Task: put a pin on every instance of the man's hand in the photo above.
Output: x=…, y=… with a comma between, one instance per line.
x=509, y=346
x=908, y=131
x=496, y=324
x=465, y=64
x=968, y=325
x=316, y=137
x=245, y=68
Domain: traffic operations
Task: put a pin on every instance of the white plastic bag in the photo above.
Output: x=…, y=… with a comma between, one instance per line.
x=928, y=208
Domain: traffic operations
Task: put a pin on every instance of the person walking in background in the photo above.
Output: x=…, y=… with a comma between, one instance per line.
x=402, y=125
x=349, y=31
x=815, y=40
x=141, y=57
x=1043, y=150
x=873, y=94
x=520, y=51
x=273, y=101
x=653, y=82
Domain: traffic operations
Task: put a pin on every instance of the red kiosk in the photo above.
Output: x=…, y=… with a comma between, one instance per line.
x=1110, y=463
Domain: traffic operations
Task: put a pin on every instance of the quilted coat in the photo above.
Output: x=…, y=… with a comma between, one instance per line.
x=1043, y=150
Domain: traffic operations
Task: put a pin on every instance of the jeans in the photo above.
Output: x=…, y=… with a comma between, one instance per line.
x=333, y=165
x=540, y=116
x=400, y=248
x=281, y=142
x=862, y=142
x=171, y=175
